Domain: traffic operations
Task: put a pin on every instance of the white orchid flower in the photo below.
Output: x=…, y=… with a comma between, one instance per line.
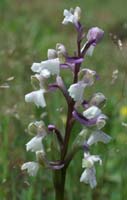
x=31, y=167
x=92, y=112
x=52, y=65
x=35, y=144
x=89, y=174
x=98, y=136
x=89, y=160
x=76, y=91
x=36, y=97
x=71, y=15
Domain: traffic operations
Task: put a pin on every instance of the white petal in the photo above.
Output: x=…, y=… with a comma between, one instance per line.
x=95, y=158
x=101, y=121
x=92, y=112
x=52, y=65
x=98, y=136
x=31, y=167
x=37, y=97
x=35, y=144
x=69, y=17
x=45, y=73
x=88, y=177
x=35, y=67
x=89, y=160
x=76, y=91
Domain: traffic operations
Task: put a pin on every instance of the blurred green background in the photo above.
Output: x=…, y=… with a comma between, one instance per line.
x=27, y=29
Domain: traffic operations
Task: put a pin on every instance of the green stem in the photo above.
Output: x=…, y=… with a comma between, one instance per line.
x=59, y=183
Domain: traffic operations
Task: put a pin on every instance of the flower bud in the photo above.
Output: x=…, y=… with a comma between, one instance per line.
x=60, y=48
x=95, y=34
x=87, y=76
x=36, y=127
x=77, y=13
x=40, y=80
x=51, y=54
x=100, y=122
x=61, y=52
x=98, y=99
x=35, y=82
x=40, y=155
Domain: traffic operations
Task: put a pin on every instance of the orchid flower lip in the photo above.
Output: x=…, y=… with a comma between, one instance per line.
x=76, y=91
x=31, y=167
x=36, y=97
x=35, y=144
x=88, y=177
x=98, y=136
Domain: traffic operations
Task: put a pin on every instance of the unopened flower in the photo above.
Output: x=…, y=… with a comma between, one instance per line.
x=31, y=167
x=51, y=54
x=61, y=52
x=36, y=97
x=41, y=158
x=35, y=144
x=95, y=34
x=98, y=136
x=72, y=16
x=88, y=76
x=37, y=127
x=98, y=99
x=92, y=112
x=40, y=79
x=101, y=121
